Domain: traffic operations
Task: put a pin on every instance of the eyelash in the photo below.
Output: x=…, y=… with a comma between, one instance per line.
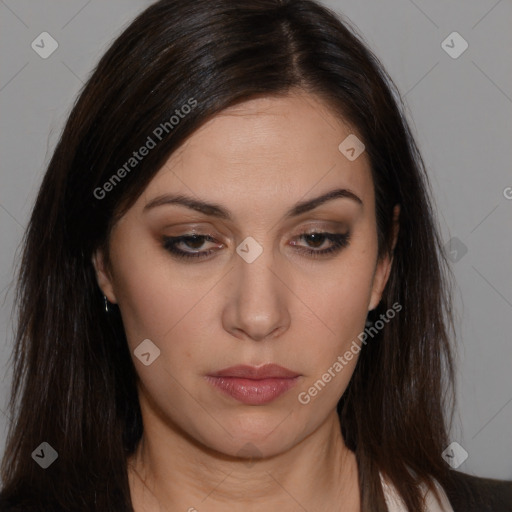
x=339, y=241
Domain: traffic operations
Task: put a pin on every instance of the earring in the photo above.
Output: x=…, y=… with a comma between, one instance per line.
x=106, y=303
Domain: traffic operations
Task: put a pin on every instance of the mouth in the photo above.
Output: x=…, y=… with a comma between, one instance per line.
x=254, y=385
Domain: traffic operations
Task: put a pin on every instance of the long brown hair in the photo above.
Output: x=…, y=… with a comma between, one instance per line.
x=74, y=383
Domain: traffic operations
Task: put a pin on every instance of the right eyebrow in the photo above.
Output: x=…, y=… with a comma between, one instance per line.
x=216, y=210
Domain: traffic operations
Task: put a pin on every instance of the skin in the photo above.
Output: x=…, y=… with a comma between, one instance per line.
x=257, y=160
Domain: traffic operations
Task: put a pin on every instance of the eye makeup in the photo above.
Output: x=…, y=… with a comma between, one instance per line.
x=177, y=245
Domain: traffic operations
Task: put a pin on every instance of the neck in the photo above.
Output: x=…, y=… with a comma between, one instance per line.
x=170, y=471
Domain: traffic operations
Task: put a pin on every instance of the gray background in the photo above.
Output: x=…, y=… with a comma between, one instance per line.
x=460, y=110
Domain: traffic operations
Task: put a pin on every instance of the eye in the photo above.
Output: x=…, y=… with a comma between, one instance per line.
x=315, y=239
x=192, y=241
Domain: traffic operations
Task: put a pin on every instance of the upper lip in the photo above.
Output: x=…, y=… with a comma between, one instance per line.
x=267, y=371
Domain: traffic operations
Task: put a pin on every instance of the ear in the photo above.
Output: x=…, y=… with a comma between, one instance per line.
x=103, y=275
x=383, y=268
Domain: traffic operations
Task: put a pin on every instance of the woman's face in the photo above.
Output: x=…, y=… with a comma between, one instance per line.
x=262, y=290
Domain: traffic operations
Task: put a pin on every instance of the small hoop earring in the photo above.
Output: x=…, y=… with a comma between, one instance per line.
x=106, y=303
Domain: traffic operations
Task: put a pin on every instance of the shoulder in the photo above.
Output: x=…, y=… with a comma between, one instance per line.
x=24, y=504
x=468, y=493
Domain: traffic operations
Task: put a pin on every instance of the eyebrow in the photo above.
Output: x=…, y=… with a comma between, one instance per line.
x=216, y=210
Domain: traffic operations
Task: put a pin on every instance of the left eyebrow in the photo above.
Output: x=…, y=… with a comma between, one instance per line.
x=311, y=204
x=216, y=210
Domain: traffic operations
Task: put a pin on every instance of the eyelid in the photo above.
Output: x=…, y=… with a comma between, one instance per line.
x=323, y=225
x=320, y=226
x=338, y=242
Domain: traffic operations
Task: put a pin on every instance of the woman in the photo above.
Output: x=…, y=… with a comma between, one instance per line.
x=232, y=293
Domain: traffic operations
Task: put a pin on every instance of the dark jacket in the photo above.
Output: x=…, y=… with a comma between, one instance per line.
x=466, y=493
x=477, y=494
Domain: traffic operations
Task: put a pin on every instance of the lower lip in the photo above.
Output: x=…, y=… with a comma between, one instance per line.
x=253, y=392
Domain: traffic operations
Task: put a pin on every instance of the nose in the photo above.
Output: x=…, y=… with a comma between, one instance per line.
x=257, y=306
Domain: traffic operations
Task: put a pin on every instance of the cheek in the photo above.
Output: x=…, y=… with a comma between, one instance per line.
x=154, y=306
x=340, y=312
x=340, y=299
x=344, y=296
x=157, y=304
x=150, y=299
x=331, y=360
x=171, y=306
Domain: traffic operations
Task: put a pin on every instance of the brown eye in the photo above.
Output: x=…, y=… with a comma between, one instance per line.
x=317, y=239
x=192, y=241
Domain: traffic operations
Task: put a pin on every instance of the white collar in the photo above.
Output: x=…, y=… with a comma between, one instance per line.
x=396, y=504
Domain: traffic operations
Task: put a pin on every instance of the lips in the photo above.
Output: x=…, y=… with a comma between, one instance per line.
x=267, y=371
x=254, y=385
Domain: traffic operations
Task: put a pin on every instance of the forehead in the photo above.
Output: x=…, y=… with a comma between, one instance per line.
x=265, y=150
